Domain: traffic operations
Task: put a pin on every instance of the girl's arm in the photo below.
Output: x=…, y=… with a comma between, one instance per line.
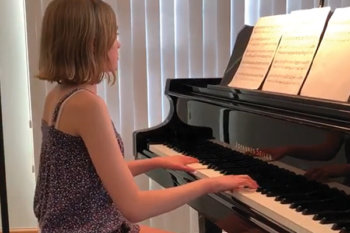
x=93, y=124
x=176, y=162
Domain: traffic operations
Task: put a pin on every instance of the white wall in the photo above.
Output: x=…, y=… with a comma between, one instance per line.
x=38, y=88
x=18, y=137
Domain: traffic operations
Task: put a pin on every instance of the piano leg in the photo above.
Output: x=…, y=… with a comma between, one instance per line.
x=206, y=226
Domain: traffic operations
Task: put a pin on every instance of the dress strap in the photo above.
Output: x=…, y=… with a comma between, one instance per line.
x=57, y=111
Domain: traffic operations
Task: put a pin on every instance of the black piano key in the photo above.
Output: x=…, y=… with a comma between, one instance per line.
x=324, y=205
x=335, y=219
x=288, y=198
x=341, y=225
x=331, y=215
x=287, y=187
x=310, y=194
x=309, y=203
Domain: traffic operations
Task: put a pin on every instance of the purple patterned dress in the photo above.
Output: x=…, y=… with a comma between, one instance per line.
x=69, y=195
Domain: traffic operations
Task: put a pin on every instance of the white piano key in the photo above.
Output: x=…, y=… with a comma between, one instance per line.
x=282, y=213
x=197, y=166
x=276, y=212
x=205, y=173
x=163, y=150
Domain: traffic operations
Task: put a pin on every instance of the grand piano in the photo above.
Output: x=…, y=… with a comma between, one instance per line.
x=274, y=138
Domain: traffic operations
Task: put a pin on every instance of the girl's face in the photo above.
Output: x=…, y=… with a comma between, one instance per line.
x=113, y=55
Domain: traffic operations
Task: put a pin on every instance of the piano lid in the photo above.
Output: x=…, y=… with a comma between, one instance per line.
x=309, y=137
x=320, y=113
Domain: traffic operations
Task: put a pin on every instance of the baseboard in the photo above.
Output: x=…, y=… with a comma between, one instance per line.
x=23, y=230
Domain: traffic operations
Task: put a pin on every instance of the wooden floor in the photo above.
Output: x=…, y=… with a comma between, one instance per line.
x=23, y=230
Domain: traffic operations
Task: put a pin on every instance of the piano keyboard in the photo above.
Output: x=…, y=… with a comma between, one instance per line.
x=261, y=201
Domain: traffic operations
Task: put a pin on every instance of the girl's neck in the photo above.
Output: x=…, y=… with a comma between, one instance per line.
x=90, y=87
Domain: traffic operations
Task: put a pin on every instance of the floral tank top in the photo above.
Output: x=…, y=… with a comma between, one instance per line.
x=69, y=195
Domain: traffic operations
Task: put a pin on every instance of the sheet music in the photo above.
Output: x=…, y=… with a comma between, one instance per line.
x=296, y=51
x=329, y=77
x=259, y=53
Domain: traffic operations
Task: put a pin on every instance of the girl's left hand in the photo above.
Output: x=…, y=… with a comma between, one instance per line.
x=177, y=162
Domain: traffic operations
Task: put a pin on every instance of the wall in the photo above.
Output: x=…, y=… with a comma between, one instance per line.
x=18, y=137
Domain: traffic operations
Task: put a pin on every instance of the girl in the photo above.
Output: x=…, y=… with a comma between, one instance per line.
x=84, y=184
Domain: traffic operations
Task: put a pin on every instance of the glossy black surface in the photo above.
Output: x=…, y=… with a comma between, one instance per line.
x=239, y=131
x=236, y=131
x=296, y=135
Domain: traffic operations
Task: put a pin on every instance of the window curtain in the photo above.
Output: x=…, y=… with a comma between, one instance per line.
x=160, y=40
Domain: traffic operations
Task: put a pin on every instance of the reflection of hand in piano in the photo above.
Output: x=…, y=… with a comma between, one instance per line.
x=328, y=171
x=324, y=150
x=276, y=153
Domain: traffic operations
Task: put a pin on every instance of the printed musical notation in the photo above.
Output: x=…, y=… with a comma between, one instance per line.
x=259, y=53
x=296, y=51
x=329, y=75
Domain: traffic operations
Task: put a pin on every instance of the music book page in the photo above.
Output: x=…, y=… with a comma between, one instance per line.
x=329, y=76
x=259, y=53
x=296, y=51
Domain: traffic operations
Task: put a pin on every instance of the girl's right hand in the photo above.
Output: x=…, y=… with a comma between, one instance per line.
x=233, y=183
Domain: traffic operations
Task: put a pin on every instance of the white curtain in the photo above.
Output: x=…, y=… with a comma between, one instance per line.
x=160, y=40
x=165, y=39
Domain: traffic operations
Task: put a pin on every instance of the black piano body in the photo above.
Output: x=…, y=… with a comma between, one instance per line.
x=256, y=125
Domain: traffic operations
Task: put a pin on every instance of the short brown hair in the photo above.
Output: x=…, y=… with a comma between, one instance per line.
x=75, y=39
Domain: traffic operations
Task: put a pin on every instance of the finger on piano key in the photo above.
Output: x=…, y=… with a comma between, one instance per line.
x=244, y=189
x=197, y=166
x=207, y=173
x=163, y=150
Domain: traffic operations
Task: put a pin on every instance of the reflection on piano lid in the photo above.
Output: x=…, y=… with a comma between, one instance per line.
x=221, y=125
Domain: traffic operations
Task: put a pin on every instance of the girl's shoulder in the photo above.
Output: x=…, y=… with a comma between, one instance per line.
x=69, y=110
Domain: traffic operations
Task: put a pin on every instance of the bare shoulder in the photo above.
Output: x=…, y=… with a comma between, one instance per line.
x=89, y=119
x=82, y=111
x=86, y=101
x=86, y=105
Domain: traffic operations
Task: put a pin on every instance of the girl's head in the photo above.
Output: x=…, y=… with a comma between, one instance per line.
x=78, y=42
